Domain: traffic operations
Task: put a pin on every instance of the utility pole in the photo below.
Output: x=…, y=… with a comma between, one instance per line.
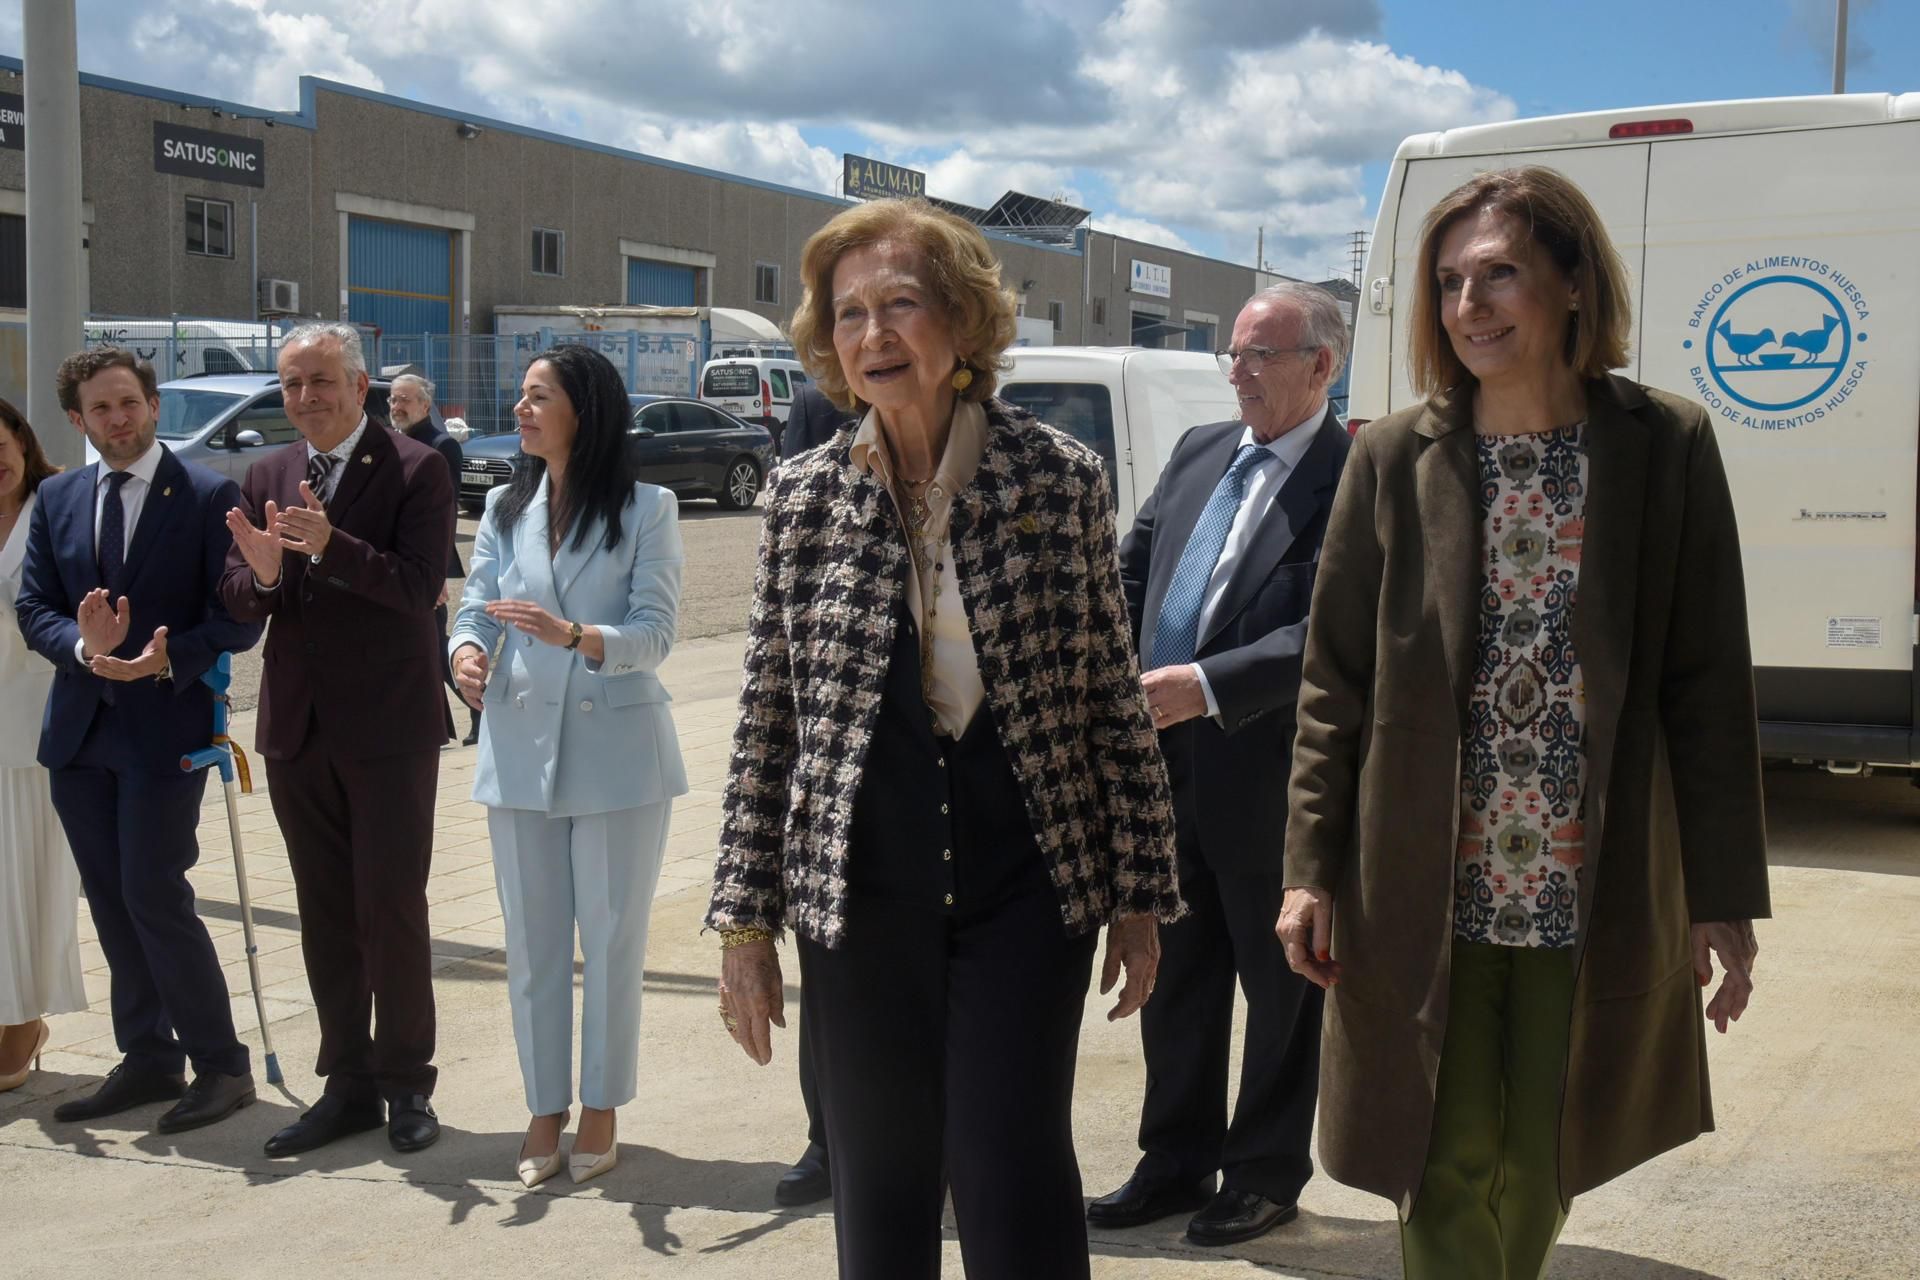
x=56, y=311
x=1840, y=46
x=1357, y=246
x=1260, y=249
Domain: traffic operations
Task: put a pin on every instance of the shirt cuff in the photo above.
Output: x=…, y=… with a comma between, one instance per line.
x=80, y=652
x=1213, y=705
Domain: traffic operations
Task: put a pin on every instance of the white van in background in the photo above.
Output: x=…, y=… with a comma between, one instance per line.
x=1774, y=252
x=183, y=348
x=1131, y=404
x=759, y=389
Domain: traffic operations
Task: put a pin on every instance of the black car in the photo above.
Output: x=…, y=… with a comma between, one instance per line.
x=694, y=449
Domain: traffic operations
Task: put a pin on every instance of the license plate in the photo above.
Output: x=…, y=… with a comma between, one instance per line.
x=480, y=479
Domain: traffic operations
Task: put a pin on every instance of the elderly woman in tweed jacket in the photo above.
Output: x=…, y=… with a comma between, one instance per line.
x=944, y=777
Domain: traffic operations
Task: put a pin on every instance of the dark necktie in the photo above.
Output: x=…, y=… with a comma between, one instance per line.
x=1177, y=633
x=319, y=467
x=113, y=530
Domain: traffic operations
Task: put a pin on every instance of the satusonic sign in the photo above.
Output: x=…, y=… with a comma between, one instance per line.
x=13, y=122
x=196, y=153
x=874, y=180
x=1152, y=279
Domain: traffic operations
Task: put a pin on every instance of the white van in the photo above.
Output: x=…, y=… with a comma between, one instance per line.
x=184, y=348
x=758, y=389
x=1132, y=404
x=1774, y=250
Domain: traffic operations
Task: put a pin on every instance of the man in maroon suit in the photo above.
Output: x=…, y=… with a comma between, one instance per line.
x=342, y=541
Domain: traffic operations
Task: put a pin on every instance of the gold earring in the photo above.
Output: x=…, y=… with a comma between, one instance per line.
x=1574, y=305
x=962, y=378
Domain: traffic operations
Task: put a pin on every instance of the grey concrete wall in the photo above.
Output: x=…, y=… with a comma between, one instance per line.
x=1199, y=284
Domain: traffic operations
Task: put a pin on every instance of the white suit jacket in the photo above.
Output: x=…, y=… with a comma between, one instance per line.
x=25, y=676
x=563, y=735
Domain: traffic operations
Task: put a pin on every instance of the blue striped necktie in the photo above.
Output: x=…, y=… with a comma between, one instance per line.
x=1177, y=635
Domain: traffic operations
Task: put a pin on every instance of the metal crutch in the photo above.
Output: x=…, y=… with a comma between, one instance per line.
x=226, y=756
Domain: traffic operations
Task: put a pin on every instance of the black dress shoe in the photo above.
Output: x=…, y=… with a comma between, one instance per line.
x=1146, y=1198
x=808, y=1180
x=331, y=1118
x=124, y=1088
x=1233, y=1216
x=212, y=1096
x=411, y=1123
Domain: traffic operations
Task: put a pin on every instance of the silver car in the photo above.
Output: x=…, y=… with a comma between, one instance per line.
x=223, y=421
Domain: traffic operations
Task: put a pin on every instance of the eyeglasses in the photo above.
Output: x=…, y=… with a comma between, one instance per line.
x=1255, y=358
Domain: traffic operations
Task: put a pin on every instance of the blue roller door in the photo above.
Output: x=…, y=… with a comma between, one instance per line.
x=399, y=276
x=659, y=284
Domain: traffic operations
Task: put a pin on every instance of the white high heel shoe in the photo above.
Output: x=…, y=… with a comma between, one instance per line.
x=534, y=1170
x=584, y=1165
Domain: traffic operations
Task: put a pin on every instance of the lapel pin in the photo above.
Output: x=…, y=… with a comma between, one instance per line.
x=366, y=457
x=167, y=492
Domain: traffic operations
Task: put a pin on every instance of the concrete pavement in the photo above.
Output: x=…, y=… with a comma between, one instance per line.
x=1815, y=1171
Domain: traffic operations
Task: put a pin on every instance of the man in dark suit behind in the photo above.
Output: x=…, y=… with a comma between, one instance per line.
x=1219, y=571
x=410, y=407
x=811, y=421
x=120, y=592
x=342, y=540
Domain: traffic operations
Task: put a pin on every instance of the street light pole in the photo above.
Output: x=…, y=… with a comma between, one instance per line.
x=1840, y=46
x=56, y=310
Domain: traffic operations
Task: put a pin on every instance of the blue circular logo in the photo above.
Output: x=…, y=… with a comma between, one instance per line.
x=1778, y=343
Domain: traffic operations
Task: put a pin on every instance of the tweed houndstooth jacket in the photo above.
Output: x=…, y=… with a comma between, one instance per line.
x=1034, y=550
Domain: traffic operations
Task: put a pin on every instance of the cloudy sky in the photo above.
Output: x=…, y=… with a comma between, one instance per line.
x=1191, y=123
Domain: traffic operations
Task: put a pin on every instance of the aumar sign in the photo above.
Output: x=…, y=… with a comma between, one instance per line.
x=1778, y=341
x=876, y=180
x=197, y=153
x=1152, y=279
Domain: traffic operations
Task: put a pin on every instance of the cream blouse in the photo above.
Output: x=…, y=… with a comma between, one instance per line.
x=949, y=671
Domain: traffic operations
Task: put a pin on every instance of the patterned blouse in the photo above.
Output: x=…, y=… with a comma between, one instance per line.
x=1524, y=768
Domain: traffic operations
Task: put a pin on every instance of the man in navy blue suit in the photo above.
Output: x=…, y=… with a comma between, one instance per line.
x=120, y=591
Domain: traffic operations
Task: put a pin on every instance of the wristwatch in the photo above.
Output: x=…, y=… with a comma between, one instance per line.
x=573, y=635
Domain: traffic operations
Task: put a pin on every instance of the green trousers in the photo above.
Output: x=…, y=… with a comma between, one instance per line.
x=1489, y=1201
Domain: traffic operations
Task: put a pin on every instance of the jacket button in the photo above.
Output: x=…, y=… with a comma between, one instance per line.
x=586, y=704
x=943, y=808
x=526, y=642
x=946, y=855
x=949, y=899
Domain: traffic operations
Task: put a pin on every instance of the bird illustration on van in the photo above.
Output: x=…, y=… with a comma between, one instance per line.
x=1743, y=345
x=1813, y=341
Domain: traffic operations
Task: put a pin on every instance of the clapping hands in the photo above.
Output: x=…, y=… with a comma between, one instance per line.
x=304, y=529
x=103, y=628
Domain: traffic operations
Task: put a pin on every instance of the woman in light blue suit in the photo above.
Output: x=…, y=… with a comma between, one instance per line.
x=575, y=584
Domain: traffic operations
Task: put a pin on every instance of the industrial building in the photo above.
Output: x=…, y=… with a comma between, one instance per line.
x=415, y=219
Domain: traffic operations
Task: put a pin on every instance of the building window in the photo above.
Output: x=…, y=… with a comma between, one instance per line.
x=209, y=227
x=1057, y=312
x=1100, y=311
x=766, y=283
x=548, y=252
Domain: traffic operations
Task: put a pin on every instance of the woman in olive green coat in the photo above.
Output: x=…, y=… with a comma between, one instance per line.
x=1526, y=798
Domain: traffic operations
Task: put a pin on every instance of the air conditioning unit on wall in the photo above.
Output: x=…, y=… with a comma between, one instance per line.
x=280, y=297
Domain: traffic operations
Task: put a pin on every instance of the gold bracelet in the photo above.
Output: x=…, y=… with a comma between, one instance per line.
x=731, y=938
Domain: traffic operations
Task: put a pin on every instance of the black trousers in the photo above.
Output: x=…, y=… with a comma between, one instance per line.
x=945, y=1045
x=359, y=838
x=1187, y=1031
x=132, y=834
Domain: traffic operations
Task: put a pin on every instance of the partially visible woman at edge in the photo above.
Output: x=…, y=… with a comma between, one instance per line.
x=944, y=777
x=576, y=568
x=39, y=884
x=1528, y=693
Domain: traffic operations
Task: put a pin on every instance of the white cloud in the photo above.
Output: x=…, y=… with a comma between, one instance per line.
x=1141, y=229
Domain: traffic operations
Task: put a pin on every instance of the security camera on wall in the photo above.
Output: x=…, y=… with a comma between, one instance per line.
x=469, y=130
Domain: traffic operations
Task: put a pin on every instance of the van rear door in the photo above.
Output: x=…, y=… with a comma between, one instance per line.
x=1779, y=293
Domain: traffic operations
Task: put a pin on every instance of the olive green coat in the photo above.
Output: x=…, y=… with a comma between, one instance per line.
x=1675, y=830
